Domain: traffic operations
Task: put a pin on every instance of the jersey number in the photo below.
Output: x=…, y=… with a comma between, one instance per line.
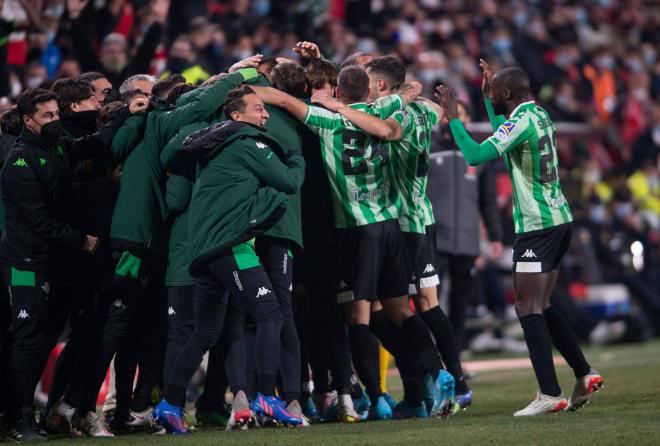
x=547, y=165
x=423, y=158
x=355, y=139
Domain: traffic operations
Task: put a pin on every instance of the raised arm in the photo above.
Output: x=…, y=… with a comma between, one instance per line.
x=385, y=129
x=272, y=96
x=487, y=90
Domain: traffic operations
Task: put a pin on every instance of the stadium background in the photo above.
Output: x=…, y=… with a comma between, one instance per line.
x=594, y=65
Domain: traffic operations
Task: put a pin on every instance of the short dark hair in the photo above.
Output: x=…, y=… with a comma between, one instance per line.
x=390, y=68
x=28, y=100
x=177, y=92
x=353, y=84
x=11, y=122
x=92, y=76
x=290, y=78
x=352, y=60
x=320, y=72
x=163, y=87
x=69, y=90
x=235, y=100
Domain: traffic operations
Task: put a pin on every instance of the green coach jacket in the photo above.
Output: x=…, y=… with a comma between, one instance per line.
x=287, y=131
x=137, y=220
x=241, y=190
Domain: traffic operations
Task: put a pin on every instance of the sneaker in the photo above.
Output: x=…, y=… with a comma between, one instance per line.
x=59, y=418
x=93, y=426
x=213, y=418
x=347, y=412
x=543, y=404
x=240, y=412
x=309, y=409
x=170, y=417
x=391, y=401
x=583, y=389
x=326, y=405
x=273, y=407
x=445, y=392
x=404, y=411
x=26, y=429
x=463, y=401
x=362, y=404
x=428, y=397
x=381, y=410
x=144, y=421
x=295, y=409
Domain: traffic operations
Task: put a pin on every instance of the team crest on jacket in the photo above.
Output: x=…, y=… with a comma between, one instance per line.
x=262, y=145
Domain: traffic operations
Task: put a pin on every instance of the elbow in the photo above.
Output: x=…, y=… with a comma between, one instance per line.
x=473, y=161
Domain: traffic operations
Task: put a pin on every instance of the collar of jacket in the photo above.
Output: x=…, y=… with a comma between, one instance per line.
x=80, y=123
x=160, y=104
x=203, y=144
x=33, y=139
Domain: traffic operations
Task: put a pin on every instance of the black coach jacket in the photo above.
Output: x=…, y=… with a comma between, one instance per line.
x=38, y=197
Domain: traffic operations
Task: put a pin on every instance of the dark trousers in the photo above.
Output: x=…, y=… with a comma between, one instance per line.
x=323, y=334
x=180, y=323
x=460, y=275
x=34, y=333
x=251, y=293
x=276, y=258
x=135, y=325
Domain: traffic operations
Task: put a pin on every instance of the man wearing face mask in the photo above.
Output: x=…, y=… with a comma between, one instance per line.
x=35, y=193
x=36, y=190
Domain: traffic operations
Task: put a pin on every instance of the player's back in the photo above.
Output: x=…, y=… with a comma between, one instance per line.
x=356, y=164
x=410, y=165
x=528, y=143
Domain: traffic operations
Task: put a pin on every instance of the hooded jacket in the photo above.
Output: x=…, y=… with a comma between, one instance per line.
x=241, y=189
x=137, y=220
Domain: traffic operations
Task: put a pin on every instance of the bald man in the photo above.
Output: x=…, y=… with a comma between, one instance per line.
x=526, y=138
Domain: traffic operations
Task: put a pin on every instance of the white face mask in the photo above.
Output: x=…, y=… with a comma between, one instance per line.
x=35, y=81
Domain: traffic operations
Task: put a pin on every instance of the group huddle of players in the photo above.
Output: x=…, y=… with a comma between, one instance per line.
x=291, y=204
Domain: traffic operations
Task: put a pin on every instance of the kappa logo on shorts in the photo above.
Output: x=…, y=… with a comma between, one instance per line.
x=46, y=287
x=171, y=311
x=429, y=268
x=262, y=291
x=529, y=254
x=118, y=304
x=23, y=314
x=238, y=281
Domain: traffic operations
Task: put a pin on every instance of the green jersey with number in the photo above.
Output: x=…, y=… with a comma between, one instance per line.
x=356, y=164
x=410, y=165
x=528, y=143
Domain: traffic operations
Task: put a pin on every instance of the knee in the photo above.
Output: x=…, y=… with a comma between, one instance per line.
x=267, y=312
x=526, y=307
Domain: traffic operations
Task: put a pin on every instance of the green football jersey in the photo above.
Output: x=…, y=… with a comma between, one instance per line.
x=410, y=165
x=528, y=143
x=356, y=164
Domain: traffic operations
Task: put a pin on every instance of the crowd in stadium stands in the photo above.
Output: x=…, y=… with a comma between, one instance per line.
x=594, y=64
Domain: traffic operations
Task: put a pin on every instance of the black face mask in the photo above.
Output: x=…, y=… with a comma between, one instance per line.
x=51, y=131
x=112, y=96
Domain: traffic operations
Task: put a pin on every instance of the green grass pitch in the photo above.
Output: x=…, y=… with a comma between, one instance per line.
x=626, y=411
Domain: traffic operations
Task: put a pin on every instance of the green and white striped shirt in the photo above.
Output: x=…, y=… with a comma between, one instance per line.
x=528, y=143
x=363, y=191
x=410, y=165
